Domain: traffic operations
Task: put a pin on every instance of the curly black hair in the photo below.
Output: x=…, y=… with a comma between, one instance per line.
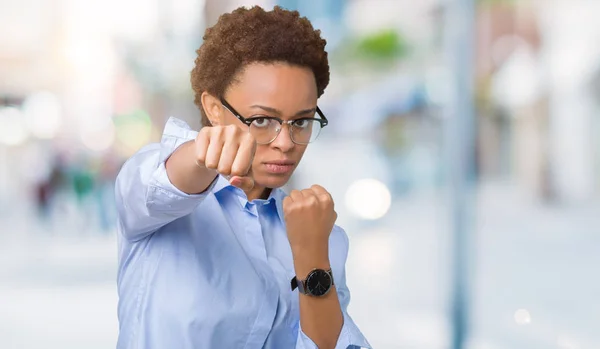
x=252, y=35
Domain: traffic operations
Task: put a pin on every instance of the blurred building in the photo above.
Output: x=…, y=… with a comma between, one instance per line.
x=86, y=82
x=538, y=114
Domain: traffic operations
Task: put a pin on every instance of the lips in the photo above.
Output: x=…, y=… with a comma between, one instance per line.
x=280, y=162
x=279, y=166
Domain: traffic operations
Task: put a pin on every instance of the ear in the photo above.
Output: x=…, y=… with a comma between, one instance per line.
x=212, y=108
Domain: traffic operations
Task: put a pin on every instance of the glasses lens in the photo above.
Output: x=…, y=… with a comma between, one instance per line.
x=305, y=131
x=264, y=130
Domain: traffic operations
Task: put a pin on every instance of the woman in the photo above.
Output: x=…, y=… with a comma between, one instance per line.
x=212, y=253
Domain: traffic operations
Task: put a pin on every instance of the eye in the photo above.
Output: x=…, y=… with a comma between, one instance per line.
x=260, y=122
x=302, y=123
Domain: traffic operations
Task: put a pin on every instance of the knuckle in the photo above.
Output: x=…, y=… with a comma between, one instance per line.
x=311, y=201
x=201, y=158
x=210, y=164
x=204, y=131
x=248, y=137
x=287, y=201
x=288, y=207
x=214, y=136
x=224, y=168
x=231, y=130
x=218, y=133
x=236, y=170
x=326, y=198
x=246, y=145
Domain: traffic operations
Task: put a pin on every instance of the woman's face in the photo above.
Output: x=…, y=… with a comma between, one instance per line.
x=279, y=90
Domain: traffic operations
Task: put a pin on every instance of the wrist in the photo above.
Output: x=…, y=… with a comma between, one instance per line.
x=185, y=173
x=307, y=260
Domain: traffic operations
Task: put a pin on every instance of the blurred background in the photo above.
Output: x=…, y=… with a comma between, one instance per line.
x=84, y=84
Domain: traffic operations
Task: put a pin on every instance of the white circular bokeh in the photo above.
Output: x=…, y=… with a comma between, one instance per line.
x=522, y=317
x=13, y=131
x=368, y=199
x=43, y=114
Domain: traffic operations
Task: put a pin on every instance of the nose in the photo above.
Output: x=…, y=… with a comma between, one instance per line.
x=283, y=141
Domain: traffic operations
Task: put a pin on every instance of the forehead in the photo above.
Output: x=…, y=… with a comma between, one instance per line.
x=279, y=85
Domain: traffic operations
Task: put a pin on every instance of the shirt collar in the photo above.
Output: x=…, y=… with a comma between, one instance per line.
x=277, y=194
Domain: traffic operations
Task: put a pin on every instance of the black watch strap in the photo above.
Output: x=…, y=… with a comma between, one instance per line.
x=301, y=284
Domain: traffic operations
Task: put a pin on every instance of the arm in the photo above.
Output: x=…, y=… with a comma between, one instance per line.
x=321, y=318
x=145, y=196
x=324, y=322
x=349, y=335
x=161, y=182
x=185, y=173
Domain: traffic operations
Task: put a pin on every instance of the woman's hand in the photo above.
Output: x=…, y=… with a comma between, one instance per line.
x=229, y=151
x=309, y=216
x=226, y=150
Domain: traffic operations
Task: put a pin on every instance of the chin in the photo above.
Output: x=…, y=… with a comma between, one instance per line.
x=272, y=181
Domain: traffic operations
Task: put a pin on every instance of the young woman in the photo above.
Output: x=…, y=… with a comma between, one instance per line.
x=212, y=253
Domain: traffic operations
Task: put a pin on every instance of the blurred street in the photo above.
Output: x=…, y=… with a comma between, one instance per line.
x=84, y=85
x=534, y=278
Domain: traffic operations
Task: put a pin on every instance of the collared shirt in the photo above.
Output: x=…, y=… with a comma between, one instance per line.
x=211, y=270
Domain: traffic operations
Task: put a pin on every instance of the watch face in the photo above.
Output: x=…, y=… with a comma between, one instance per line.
x=318, y=282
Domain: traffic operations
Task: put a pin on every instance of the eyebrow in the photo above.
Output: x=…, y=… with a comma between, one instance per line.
x=279, y=113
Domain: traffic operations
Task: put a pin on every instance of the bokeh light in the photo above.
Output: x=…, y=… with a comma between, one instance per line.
x=368, y=199
x=100, y=139
x=522, y=317
x=133, y=130
x=43, y=114
x=13, y=130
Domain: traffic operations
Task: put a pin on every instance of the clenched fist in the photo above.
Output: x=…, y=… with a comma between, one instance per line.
x=309, y=216
x=229, y=150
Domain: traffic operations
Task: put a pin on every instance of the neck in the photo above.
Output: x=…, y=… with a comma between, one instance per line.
x=258, y=193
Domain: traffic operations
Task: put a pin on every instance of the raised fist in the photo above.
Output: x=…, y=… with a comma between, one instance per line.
x=309, y=217
x=229, y=150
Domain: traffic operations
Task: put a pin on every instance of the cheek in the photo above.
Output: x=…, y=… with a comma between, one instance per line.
x=259, y=155
x=300, y=149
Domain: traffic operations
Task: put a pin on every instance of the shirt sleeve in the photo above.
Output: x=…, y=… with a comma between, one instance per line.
x=145, y=197
x=350, y=336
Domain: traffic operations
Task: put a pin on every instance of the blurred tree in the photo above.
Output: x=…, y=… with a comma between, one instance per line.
x=387, y=44
x=372, y=52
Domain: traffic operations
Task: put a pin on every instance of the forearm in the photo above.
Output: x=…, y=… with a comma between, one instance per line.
x=185, y=173
x=145, y=198
x=321, y=318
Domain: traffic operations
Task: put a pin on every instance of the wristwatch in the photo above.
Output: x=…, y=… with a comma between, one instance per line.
x=318, y=283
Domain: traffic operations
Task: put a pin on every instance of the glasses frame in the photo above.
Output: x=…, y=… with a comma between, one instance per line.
x=248, y=121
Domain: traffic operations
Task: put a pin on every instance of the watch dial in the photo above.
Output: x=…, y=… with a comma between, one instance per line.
x=318, y=283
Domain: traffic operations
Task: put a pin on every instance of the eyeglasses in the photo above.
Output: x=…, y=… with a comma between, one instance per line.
x=265, y=129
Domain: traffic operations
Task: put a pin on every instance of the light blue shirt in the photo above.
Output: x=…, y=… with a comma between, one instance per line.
x=210, y=270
